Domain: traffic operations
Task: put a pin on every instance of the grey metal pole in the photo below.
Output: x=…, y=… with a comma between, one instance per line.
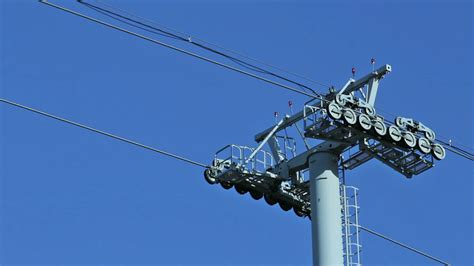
x=325, y=209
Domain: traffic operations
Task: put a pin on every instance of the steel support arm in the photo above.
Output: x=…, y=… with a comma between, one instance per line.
x=347, y=89
x=372, y=92
x=288, y=122
x=377, y=74
x=270, y=135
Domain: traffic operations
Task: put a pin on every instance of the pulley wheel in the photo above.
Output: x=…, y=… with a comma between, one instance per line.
x=430, y=135
x=226, y=185
x=256, y=195
x=284, y=206
x=364, y=122
x=270, y=200
x=424, y=145
x=409, y=139
x=339, y=100
x=240, y=189
x=438, y=151
x=334, y=111
x=370, y=111
x=209, y=178
x=380, y=128
x=398, y=122
x=394, y=133
x=350, y=117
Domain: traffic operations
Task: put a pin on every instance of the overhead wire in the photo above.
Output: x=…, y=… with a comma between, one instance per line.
x=424, y=254
x=161, y=32
x=210, y=43
x=144, y=27
x=457, y=150
x=180, y=50
x=67, y=121
x=164, y=34
x=190, y=40
x=456, y=144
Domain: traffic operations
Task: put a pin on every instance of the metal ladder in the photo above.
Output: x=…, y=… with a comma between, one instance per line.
x=350, y=223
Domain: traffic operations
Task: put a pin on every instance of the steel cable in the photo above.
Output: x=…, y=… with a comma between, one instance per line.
x=402, y=245
x=179, y=49
x=103, y=133
x=209, y=43
x=189, y=40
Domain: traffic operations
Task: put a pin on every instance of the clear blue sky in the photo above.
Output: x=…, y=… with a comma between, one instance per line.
x=70, y=196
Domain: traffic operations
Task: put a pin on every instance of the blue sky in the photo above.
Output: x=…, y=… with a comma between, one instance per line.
x=70, y=196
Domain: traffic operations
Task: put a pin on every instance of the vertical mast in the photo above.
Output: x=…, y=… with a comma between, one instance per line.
x=326, y=225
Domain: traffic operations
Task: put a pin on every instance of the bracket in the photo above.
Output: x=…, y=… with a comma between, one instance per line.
x=412, y=125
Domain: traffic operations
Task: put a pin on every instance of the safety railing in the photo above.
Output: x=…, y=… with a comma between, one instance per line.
x=238, y=156
x=289, y=146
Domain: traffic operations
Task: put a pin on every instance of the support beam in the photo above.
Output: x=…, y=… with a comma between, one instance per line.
x=377, y=74
x=269, y=136
x=278, y=155
x=372, y=92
